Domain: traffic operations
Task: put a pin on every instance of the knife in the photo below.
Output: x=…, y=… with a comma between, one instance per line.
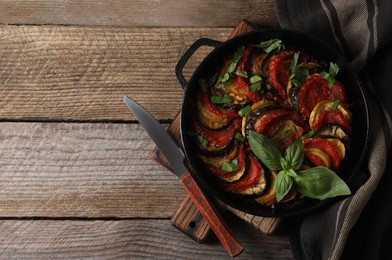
x=176, y=158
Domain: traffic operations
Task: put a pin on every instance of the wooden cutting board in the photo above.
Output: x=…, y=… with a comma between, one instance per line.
x=187, y=218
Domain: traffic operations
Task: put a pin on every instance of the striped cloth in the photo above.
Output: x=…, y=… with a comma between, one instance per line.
x=360, y=225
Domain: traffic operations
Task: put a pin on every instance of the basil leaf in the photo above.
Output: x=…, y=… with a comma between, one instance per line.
x=286, y=133
x=240, y=137
x=320, y=183
x=236, y=59
x=241, y=74
x=270, y=45
x=330, y=76
x=255, y=83
x=294, y=154
x=294, y=62
x=232, y=67
x=203, y=142
x=335, y=104
x=283, y=185
x=230, y=166
x=284, y=164
x=265, y=150
x=299, y=72
x=221, y=99
x=291, y=173
x=308, y=134
x=333, y=69
x=225, y=77
x=246, y=111
x=255, y=79
x=255, y=87
x=228, y=76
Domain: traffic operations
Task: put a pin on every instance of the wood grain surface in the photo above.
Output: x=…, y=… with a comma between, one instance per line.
x=172, y=13
x=76, y=178
x=83, y=170
x=82, y=73
x=125, y=239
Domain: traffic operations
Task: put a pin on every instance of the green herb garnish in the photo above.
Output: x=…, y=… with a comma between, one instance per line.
x=245, y=111
x=230, y=166
x=335, y=104
x=227, y=77
x=241, y=74
x=330, y=76
x=270, y=45
x=255, y=83
x=287, y=133
x=221, y=99
x=240, y=137
x=204, y=142
x=299, y=72
x=317, y=182
x=308, y=134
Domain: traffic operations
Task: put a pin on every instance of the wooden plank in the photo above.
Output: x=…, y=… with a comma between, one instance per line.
x=128, y=239
x=137, y=13
x=83, y=170
x=82, y=73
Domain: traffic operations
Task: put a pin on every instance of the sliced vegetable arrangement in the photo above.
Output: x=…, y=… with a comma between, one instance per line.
x=273, y=124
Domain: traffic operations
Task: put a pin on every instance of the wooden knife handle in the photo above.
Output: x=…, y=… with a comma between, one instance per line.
x=216, y=222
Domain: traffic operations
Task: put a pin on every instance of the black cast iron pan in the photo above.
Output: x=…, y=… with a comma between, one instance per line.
x=350, y=170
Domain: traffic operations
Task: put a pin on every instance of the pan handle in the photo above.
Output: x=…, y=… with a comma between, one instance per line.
x=188, y=54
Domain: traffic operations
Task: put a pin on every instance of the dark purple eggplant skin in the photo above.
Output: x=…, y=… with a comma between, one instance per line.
x=236, y=107
x=217, y=129
x=219, y=153
x=265, y=66
x=256, y=114
x=295, y=96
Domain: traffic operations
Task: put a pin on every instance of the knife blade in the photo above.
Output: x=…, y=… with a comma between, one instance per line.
x=176, y=157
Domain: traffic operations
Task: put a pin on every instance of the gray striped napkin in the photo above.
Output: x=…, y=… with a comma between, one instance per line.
x=359, y=225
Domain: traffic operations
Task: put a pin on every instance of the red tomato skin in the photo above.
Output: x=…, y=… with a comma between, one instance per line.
x=279, y=71
x=331, y=117
x=216, y=110
x=244, y=58
x=218, y=137
x=316, y=89
x=268, y=124
x=249, y=179
x=328, y=147
x=253, y=95
x=218, y=172
x=314, y=159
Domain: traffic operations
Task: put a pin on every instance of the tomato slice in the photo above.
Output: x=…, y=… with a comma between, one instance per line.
x=326, y=146
x=230, y=176
x=269, y=122
x=249, y=179
x=317, y=89
x=279, y=71
x=317, y=157
x=253, y=95
x=220, y=137
x=218, y=111
x=244, y=58
x=286, y=134
x=331, y=117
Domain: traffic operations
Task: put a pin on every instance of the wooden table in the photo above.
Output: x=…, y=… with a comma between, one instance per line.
x=76, y=177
